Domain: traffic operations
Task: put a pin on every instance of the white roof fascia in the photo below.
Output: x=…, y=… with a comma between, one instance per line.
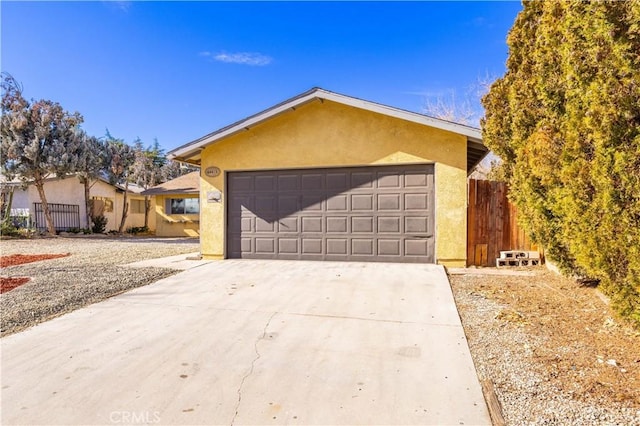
x=192, y=147
x=240, y=125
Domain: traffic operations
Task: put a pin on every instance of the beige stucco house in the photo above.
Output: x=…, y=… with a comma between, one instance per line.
x=68, y=194
x=323, y=176
x=177, y=206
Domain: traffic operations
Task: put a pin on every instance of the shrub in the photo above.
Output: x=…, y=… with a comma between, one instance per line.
x=99, y=224
x=565, y=121
x=135, y=230
x=8, y=230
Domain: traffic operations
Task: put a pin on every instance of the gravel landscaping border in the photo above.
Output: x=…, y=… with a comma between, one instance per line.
x=94, y=271
x=553, y=350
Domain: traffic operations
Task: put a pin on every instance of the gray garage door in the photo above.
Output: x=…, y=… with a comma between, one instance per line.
x=370, y=214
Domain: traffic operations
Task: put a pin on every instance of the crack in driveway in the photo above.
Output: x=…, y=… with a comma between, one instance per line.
x=253, y=363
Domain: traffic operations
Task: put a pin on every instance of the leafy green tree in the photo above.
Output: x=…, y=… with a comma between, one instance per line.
x=565, y=120
x=36, y=140
x=90, y=162
x=173, y=169
x=120, y=160
x=147, y=170
x=6, y=201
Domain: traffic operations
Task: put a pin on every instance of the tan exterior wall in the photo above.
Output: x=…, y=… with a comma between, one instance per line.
x=63, y=191
x=175, y=225
x=136, y=219
x=103, y=189
x=71, y=191
x=328, y=134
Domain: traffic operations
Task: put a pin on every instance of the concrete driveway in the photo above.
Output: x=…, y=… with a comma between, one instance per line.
x=253, y=342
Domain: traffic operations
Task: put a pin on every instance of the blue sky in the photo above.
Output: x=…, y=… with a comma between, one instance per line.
x=176, y=71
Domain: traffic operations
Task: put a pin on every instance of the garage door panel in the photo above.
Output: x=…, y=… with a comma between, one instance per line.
x=240, y=183
x=241, y=224
x=361, y=224
x=389, y=247
x=288, y=182
x=337, y=224
x=362, y=247
x=287, y=204
x=288, y=245
x=389, y=225
x=337, y=246
x=389, y=202
x=416, y=201
x=313, y=182
x=416, y=179
x=312, y=202
x=311, y=224
x=414, y=225
x=288, y=224
x=241, y=203
x=362, y=202
x=388, y=180
x=235, y=245
x=265, y=183
x=265, y=245
x=418, y=247
x=246, y=245
x=264, y=225
x=312, y=246
x=337, y=203
x=377, y=213
x=265, y=204
x=337, y=181
x=362, y=179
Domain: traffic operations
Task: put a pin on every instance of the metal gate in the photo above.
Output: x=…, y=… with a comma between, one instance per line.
x=65, y=216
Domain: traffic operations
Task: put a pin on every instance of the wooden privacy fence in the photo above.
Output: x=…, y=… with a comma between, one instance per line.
x=491, y=224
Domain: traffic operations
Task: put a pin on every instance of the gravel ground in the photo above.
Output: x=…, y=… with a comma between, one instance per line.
x=93, y=272
x=553, y=350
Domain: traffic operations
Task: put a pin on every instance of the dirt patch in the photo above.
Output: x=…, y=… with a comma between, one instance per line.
x=552, y=348
x=19, y=259
x=9, y=283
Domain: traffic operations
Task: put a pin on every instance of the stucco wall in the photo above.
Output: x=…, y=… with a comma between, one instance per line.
x=327, y=134
x=103, y=189
x=20, y=199
x=70, y=191
x=175, y=225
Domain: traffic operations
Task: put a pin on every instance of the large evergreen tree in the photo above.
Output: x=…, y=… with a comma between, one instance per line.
x=565, y=119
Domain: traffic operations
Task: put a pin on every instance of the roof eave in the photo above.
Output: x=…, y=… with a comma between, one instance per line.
x=191, y=149
x=171, y=192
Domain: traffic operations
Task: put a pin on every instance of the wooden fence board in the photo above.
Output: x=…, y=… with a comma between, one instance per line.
x=492, y=224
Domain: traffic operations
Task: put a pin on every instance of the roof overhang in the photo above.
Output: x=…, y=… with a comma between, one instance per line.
x=190, y=191
x=191, y=152
x=182, y=185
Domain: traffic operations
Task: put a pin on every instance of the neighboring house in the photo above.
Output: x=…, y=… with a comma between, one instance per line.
x=66, y=200
x=323, y=176
x=177, y=206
